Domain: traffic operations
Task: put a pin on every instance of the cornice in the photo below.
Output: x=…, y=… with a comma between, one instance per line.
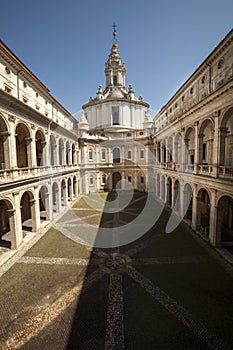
x=125, y=100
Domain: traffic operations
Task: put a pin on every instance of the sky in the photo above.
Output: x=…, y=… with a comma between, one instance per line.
x=66, y=43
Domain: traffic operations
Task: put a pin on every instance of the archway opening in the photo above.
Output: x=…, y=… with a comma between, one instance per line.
x=188, y=202
x=177, y=196
x=22, y=145
x=52, y=150
x=63, y=193
x=116, y=178
x=69, y=189
x=40, y=144
x=203, y=212
x=26, y=211
x=44, y=203
x=225, y=221
x=55, y=197
x=4, y=148
x=61, y=151
x=169, y=191
x=5, y=226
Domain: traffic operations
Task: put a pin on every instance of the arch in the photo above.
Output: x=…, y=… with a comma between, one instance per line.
x=75, y=188
x=73, y=159
x=52, y=146
x=23, y=141
x=178, y=149
x=40, y=144
x=63, y=193
x=177, y=196
x=44, y=203
x=28, y=214
x=203, y=211
x=206, y=136
x=226, y=134
x=68, y=153
x=69, y=189
x=188, y=201
x=4, y=147
x=169, y=191
x=190, y=146
x=116, y=177
x=170, y=148
x=116, y=155
x=225, y=221
x=61, y=151
x=7, y=228
x=162, y=189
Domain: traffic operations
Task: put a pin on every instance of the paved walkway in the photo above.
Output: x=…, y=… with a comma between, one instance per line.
x=163, y=291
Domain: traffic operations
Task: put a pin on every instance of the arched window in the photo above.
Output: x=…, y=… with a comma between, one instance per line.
x=115, y=116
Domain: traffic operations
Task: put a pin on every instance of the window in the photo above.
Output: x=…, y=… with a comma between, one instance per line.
x=115, y=115
x=116, y=155
x=203, y=79
x=142, y=179
x=221, y=63
x=7, y=70
x=25, y=84
x=91, y=180
x=129, y=156
x=103, y=154
x=90, y=154
x=176, y=105
x=191, y=90
x=129, y=178
x=8, y=89
x=182, y=98
x=25, y=99
x=103, y=179
x=115, y=80
x=141, y=153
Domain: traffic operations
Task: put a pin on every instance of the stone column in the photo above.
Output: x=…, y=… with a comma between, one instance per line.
x=16, y=223
x=214, y=240
x=35, y=211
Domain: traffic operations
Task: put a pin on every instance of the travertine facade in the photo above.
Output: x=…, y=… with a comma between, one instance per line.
x=184, y=155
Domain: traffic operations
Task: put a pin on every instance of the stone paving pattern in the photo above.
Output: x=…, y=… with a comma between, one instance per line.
x=163, y=291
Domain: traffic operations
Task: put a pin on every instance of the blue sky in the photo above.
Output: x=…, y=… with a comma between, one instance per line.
x=66, y=43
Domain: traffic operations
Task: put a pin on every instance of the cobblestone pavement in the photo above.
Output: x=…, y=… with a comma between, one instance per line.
x=163, y=291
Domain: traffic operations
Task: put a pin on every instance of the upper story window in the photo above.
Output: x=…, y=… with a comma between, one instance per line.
x=203, y=79
x=182, y=98
x=116, y=155
x=115, y=115
x=7, y=70
x=129, y=155
x=142, y=153
x=103, y=154
x=115, y=80
x=25, y=84
x=8, y=89
x=90, y=154
x=221, y=63
x=191, y=90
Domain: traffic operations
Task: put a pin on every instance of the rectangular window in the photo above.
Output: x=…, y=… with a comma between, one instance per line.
x=141, y=153
x=103, y=179
x=129, y=155
x=90, y=154
x=130, y=178
x=115, y=115
x=115, y=80
x=91, y=180
x=7, y=89
x=103, y=154
x=142, y=179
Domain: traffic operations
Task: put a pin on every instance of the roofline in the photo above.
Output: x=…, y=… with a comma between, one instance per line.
x=205, y=62
x=9, y=52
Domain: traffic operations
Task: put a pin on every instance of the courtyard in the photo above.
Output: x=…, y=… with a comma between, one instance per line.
x=159, y=291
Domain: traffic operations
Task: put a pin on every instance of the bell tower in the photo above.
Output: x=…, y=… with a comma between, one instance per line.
x=114, y=68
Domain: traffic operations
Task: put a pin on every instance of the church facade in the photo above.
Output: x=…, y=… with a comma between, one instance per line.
x=184, y=154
